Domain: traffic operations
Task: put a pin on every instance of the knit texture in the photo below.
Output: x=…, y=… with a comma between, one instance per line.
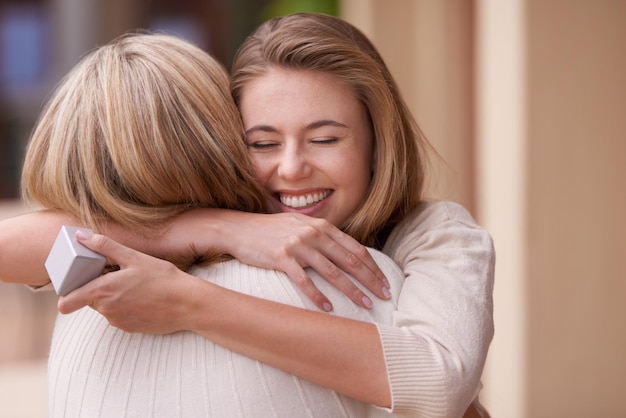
x=435, y=334
x=437, y=345
x=96, y=370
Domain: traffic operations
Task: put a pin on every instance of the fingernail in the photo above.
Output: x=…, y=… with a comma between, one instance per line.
x=367, y=302
x=327, y=306
x=386, y=283
x=386, y=293
x=80, y=234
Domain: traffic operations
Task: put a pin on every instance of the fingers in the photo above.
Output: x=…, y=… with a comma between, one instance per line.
x=334, y=255
x=115, y=252
x=85, y=295
x=304, y=282
x=353, y=258
x=79, y=298
x=72, y=302
x=335, y=276
x=356, y=255
x=356, y=265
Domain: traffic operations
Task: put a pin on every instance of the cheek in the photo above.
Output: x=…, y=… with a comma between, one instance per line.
x=363, y=166
x=261, y=169
x=364, y=177
x=356, y=177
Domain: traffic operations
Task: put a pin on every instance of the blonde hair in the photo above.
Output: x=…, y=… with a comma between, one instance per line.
x=330, y=45
x=139, y=131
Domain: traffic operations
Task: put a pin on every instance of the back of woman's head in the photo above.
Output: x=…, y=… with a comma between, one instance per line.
x=140, y=130
x=317, y=42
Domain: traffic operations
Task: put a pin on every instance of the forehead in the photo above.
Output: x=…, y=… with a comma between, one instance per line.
x=282, y=93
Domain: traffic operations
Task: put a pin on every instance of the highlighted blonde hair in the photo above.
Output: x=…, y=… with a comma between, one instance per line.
x=139, y=131
x=327, y=44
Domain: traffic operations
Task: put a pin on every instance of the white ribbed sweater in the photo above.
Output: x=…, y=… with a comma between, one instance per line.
x=96, y=370
x=435, y=341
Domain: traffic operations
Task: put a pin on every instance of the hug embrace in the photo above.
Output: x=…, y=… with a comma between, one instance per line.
x=272, y=252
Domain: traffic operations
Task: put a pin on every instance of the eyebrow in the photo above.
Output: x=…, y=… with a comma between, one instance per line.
x=261, y=128
x=310, y=126
x=324, y=122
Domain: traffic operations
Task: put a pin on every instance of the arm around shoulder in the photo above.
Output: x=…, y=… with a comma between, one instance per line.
x=437, y=345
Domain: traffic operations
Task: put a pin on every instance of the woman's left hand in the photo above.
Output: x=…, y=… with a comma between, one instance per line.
x=146, y=295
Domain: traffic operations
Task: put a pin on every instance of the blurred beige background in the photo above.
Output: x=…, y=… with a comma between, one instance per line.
x=26, y=321
x=525, y=99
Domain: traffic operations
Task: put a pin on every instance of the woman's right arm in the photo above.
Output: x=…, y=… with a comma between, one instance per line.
x=284, y=242
x=25, y=241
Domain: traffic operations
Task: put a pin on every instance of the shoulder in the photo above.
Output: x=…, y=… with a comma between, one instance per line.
x=386, y=263
x=437, y=224
x=433, y=213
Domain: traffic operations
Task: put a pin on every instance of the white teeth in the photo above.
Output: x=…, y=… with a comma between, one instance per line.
x=302, y=201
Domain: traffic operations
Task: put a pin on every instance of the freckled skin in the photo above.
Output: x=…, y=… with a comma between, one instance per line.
x=308, y=133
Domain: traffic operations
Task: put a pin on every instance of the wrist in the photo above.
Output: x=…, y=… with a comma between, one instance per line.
x=217, y=229
x=229, y=230
x=201, y=304
x=193, y=233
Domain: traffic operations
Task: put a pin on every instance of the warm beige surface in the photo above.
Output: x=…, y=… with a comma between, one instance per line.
x=549, y=155
x=10, y=208
x=26, y=321
x=576, y=206
x=26, y=318
x=501, y=180
x=23, y=390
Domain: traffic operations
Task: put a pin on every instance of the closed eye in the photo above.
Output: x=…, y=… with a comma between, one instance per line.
x=323, y=141
x=262, y=145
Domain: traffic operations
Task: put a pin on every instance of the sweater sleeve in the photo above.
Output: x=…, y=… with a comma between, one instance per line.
x=436, y=347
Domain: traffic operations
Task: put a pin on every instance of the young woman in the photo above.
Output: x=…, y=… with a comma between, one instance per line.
x=331, y=138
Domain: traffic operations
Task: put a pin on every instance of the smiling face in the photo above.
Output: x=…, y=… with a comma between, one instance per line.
x=310, y=142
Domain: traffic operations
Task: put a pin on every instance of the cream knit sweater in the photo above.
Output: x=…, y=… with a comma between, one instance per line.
x=435, y=333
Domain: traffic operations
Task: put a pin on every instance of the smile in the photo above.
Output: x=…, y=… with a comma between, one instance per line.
x=298, y=202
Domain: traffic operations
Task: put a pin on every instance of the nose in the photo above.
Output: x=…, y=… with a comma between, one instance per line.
x=294, y=164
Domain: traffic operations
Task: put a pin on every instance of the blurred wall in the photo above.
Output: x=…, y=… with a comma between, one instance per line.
x=428, y=47
x=576, y=203
x=525, y=100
